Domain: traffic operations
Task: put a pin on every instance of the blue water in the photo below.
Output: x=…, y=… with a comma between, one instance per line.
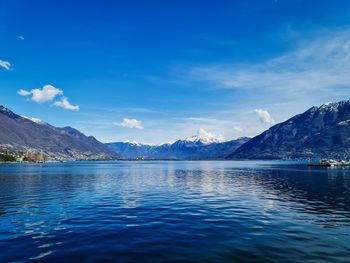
x=174, y=211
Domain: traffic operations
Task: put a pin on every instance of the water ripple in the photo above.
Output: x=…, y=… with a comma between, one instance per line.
x=174, y=211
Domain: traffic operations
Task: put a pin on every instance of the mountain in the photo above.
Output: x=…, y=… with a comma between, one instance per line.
x=21, y=134
x=320, y=132
x=183, y=149
x=132, y=150
x=204, y=137
x=202, y=146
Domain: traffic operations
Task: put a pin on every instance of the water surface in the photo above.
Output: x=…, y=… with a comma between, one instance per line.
x=174, y=211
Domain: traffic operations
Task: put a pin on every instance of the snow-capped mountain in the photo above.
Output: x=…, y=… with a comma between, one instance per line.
x=36, y=120
x=204, y=145
x=320, y=132
x=205, y=137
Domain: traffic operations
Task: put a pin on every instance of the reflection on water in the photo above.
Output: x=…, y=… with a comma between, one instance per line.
x=162, y=211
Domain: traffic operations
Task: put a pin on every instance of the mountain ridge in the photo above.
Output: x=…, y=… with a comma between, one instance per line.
x=21, y=134
x=319, y=132
x=194, y=149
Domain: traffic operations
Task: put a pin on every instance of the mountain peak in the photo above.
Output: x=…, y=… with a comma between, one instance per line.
x=33, y=135
x=4, y=109
x=333, y=104
x=198, y=148
x=136, y=143
x=206, y=137
x=320, y=132
x=8, y=112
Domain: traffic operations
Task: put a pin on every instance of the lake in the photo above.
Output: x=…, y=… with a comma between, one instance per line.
x=168, y=211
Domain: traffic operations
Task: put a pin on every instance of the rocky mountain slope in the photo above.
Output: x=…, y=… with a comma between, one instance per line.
x=320, y=132
x=21, y=134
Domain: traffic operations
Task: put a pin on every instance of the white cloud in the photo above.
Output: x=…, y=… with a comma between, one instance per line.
x=65, y=104
x=20, y=37
x=5, y=64
x=264, y=116
x=47, y=93
x=131, y=123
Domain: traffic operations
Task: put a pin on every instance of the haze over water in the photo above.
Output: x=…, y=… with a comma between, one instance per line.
x=172, y=211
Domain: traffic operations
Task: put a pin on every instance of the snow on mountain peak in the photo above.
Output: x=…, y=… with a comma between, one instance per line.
x=135, y=143
x=206, y=137
x=36, y=120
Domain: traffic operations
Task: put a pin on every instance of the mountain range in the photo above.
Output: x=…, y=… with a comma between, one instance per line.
x=20, y=134
x=320, y=132
x=203, y=146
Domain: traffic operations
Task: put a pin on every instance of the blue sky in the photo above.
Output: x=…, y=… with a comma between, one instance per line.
x=157, y=71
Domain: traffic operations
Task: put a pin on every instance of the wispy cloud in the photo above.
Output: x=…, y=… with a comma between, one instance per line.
x=20, y=37
x=23, y=92
x=131, y=123
x=65, y=104
x=5, y=64
x=321, y=63
x=264, y=116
